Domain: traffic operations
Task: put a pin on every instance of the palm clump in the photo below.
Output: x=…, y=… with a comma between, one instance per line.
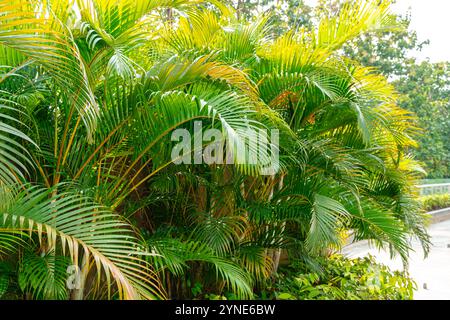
x=90, y=93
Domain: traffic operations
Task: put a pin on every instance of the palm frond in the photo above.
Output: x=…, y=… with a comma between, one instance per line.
x=38, y=34
x=85, y=230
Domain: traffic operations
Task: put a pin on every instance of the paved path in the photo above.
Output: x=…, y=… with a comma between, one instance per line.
x=432, y=274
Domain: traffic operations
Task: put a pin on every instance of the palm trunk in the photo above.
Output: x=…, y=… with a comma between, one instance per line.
x=238, y=9
x=169, y=13
x=78, y=293
x=277, y=253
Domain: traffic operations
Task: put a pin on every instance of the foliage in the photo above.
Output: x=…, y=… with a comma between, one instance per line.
x=426, y=91
x=284, y=15
x=435, y=202
x=90, y=95
x=387, y=51
x=344, y=279
x=423, y=86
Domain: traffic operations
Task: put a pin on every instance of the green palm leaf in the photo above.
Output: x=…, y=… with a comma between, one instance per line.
x=39, y=35
x=44, y=276
x=83, y=230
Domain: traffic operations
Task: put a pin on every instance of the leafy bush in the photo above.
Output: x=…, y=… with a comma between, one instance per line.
x=435, y=202
x=343, y=279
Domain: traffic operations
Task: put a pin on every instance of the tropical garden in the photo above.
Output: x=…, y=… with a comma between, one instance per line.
x=93, y=205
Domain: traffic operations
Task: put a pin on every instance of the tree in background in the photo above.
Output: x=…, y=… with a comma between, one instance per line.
x=426, y=91
x=284, y=15
x=388, y=51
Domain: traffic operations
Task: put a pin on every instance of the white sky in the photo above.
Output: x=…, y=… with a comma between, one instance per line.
x=431, y=20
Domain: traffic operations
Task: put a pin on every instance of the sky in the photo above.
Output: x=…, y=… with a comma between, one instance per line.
x=431, y=20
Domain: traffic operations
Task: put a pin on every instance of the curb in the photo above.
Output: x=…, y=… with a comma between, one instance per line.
x=439, y=215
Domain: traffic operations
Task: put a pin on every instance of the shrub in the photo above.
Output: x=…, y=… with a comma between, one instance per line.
x=435, y=202
x=343, y=279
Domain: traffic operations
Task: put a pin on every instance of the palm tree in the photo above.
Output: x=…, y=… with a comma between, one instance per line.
x=91, y=91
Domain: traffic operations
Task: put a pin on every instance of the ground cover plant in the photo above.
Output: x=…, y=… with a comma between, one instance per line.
x=435, y=202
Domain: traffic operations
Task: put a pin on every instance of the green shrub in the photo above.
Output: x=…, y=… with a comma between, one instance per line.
x=435, y=202
x=343, y=279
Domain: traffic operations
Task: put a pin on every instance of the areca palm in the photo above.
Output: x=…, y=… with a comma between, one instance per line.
x=109, y=158
x=343, y=116
x=90, y=94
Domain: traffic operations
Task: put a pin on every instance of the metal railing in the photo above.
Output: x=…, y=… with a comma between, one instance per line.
x=431, y=189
